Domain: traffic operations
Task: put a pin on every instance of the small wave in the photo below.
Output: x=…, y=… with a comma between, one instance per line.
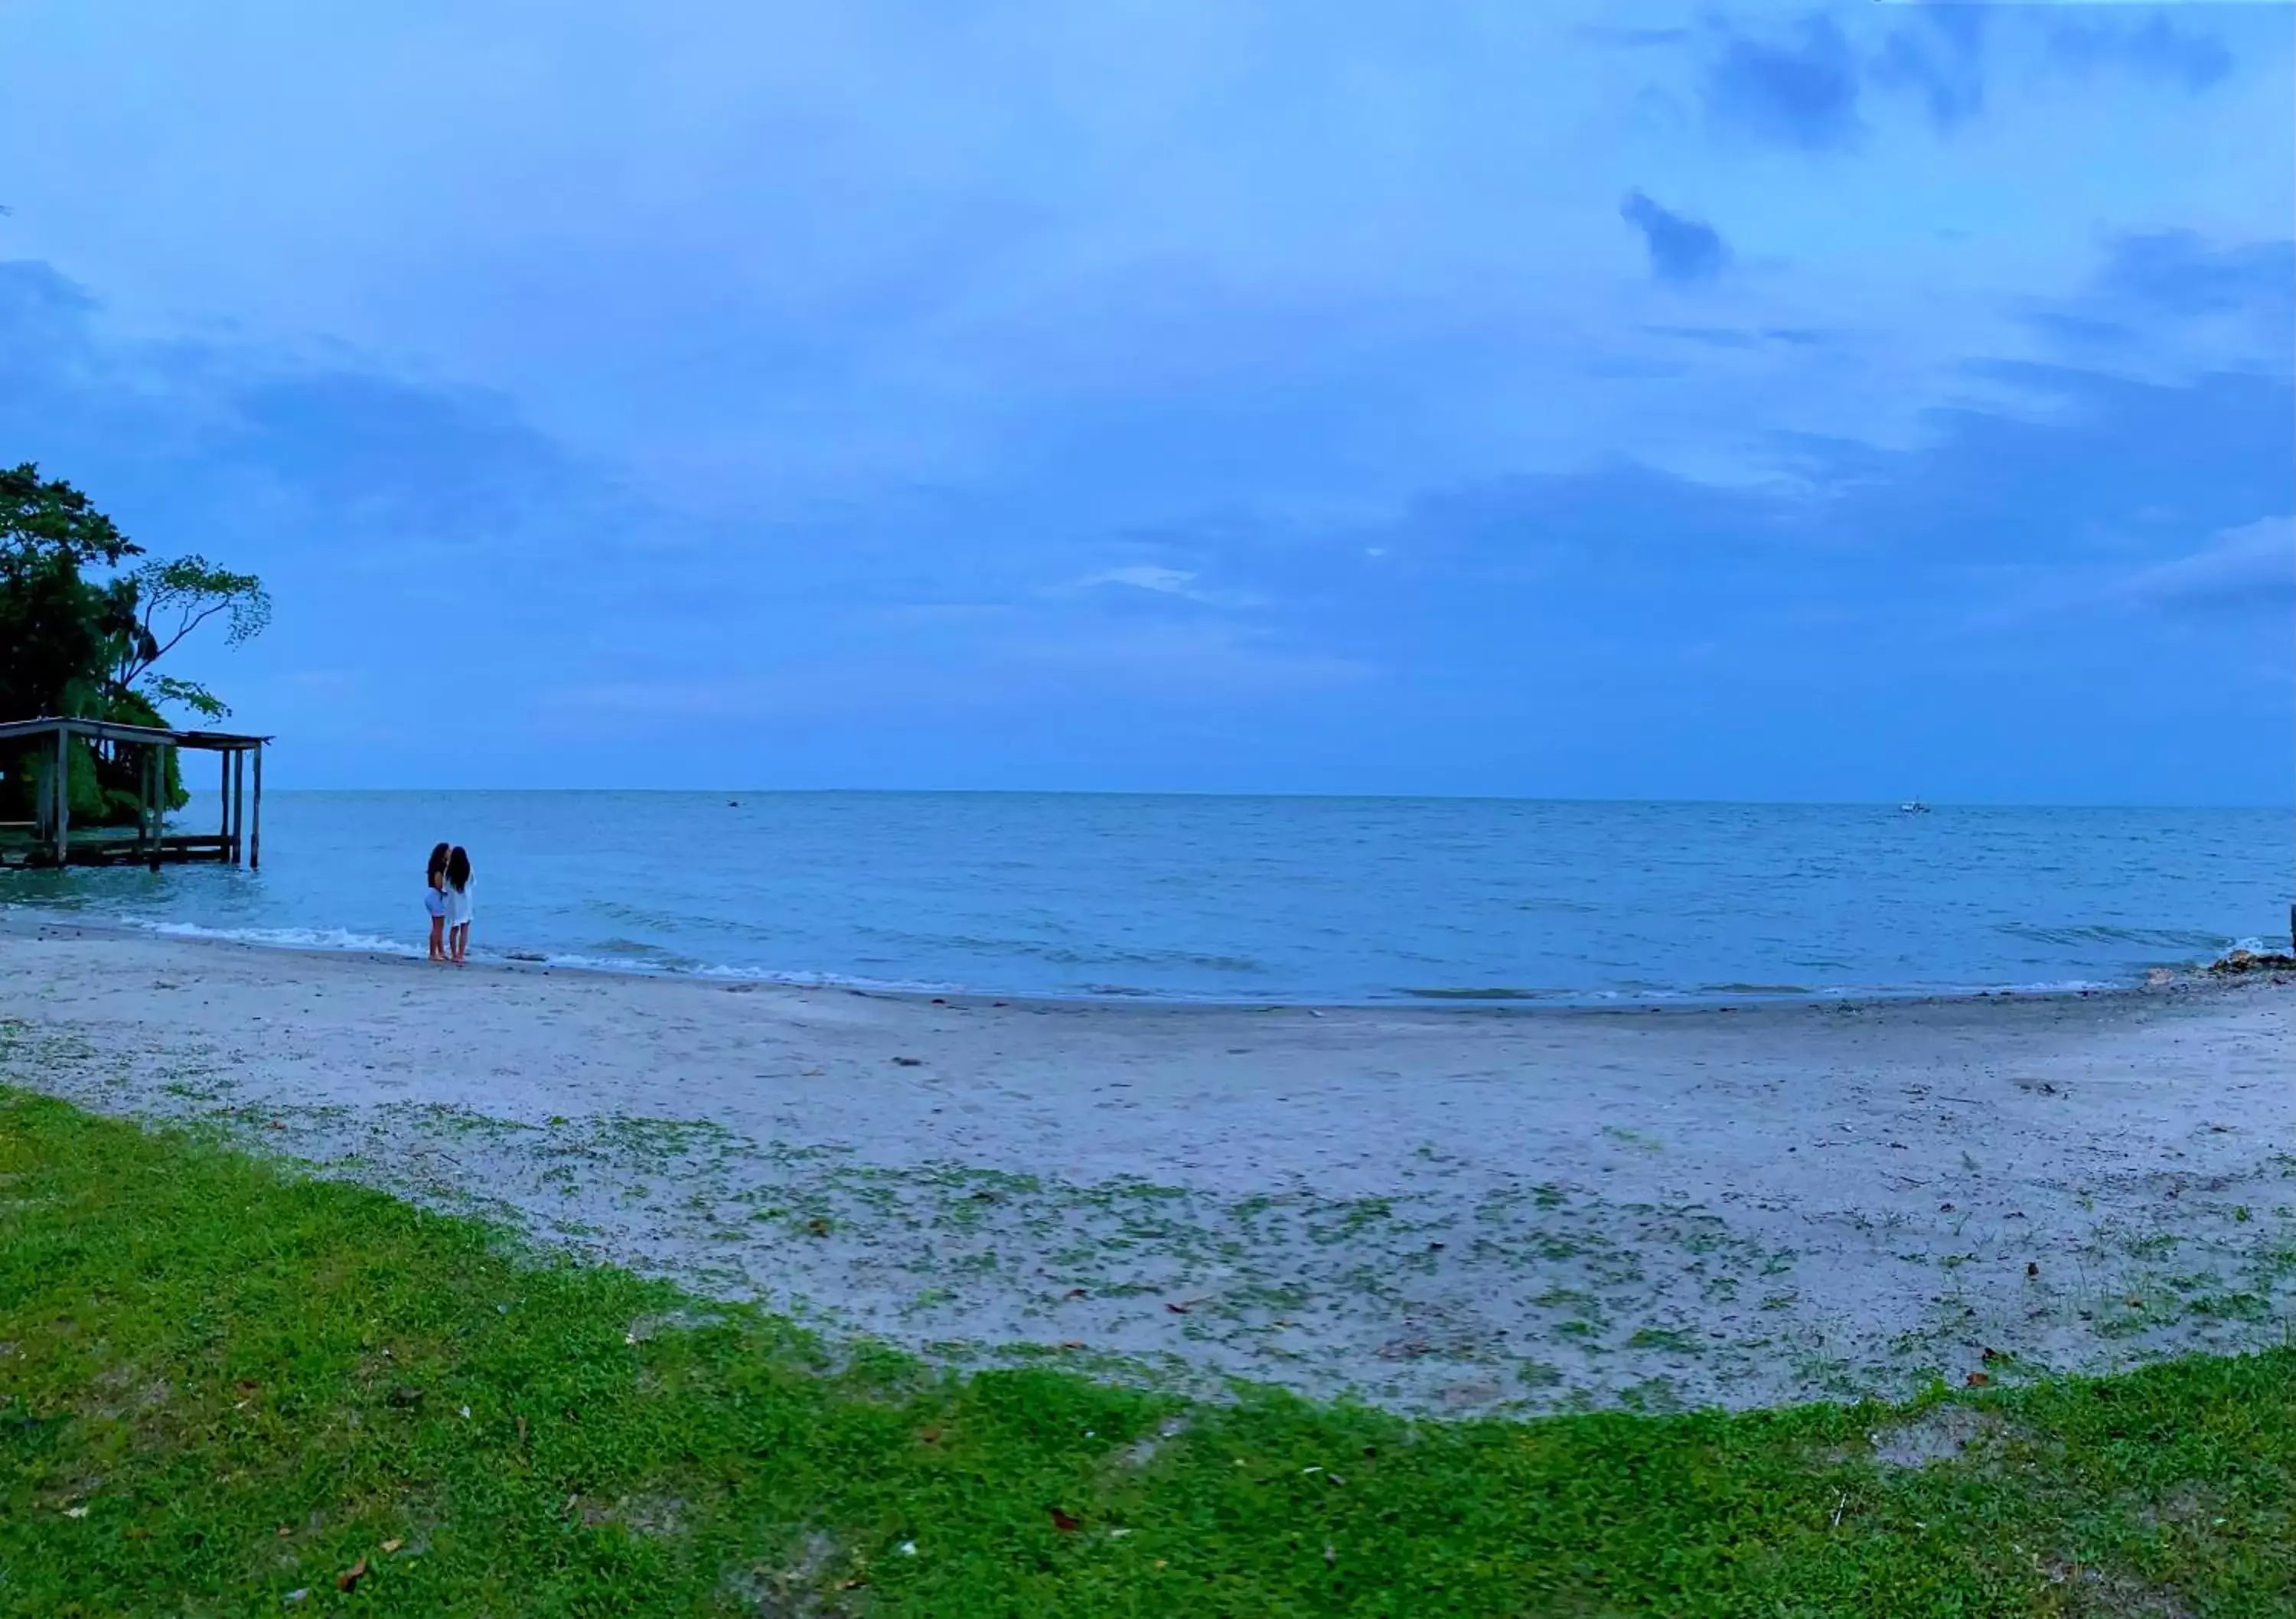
x=639, y=959
x=280, y=938
x=634, y=949
x=1462, y=992
x=286, y=938
x=1056, y=954
x=2102, y=932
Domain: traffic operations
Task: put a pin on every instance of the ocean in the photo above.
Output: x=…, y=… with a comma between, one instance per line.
x=1279, y=900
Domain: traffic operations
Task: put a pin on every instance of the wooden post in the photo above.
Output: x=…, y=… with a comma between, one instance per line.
x=223, y=791
x=43, y=802
x=155, y=771
x=238, y=803
x=63, y=794
x=254, y=826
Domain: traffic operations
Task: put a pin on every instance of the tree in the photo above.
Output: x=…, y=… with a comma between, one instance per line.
x=174, y=599
x=54, y=625
x=76, y=645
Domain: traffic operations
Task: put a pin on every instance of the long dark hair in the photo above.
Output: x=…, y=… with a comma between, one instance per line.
x=458, y=869
x=437, y=868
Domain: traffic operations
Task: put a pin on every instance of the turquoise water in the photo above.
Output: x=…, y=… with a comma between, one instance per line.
x=1324, y=900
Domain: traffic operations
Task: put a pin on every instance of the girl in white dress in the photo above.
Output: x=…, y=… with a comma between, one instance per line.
x=458, y=904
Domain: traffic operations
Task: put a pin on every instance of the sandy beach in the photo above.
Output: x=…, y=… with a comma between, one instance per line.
x=1448, y=1210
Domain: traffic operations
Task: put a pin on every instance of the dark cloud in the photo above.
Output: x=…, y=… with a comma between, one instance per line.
x=1709, y=337
x=2157, y=50
x=2160, y=289
x=38, y=304
x=1683, y=251
x=446, y=464
x=1799, y=92
x=1731, y=337
x=1878, y=527
x=1999, y=604
x=360, y=446
x=2078, y=330
x=1942, y=59
x=2040, y=488
x=367, y=502
x=2065, y=486
x=2182, y=272
x=1807, y=87
x=2247, y=570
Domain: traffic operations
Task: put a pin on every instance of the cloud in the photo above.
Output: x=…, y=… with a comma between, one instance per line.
x=1799, y=92
x=1167, y=581
x=2081, y=333
x=1175, y=585
x=2182, y=272
x=2167, y=300
x=1942, y=60
x=360, y=449
x=1683, y=251
x=381, y=509
x=2250, y=569
x=837, y=366
x=2157, y=50
x=39, y=304
x=1710, y=337
x=1807, y=87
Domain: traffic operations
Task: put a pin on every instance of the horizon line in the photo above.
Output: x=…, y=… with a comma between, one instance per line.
x=2288, y=806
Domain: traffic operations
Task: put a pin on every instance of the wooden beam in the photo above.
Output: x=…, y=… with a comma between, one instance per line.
x=223, y=791
x=238, y=805
x=254, y=828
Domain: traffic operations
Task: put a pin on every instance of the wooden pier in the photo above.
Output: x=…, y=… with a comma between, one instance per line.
x=48, y=839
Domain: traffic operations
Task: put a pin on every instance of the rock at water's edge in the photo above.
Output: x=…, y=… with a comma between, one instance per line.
x=2252, y=961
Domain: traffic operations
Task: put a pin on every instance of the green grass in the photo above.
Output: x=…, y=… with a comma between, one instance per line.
x=221, y=1383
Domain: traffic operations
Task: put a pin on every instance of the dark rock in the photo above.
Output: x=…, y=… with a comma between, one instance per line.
x=2251, y=960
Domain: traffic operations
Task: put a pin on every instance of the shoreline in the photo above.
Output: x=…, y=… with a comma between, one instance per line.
x=1531, y=1208
x=16, y=916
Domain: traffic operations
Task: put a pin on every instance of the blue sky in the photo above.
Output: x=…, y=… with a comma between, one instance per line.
x=1632, y=401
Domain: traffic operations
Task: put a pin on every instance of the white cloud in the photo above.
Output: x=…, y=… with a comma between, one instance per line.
x=1170, y=581
x=2253, y=565
x=1165, y=582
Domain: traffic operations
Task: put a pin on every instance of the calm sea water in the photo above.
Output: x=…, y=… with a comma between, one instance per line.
x=1250, y=899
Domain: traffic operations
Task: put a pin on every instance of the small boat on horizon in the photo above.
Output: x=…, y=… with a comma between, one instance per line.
x=1912, y=806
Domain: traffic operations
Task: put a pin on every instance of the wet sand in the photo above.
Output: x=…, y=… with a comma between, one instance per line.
x=1448, y=1210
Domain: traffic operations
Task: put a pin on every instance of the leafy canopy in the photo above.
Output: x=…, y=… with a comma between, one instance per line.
x=83, y=622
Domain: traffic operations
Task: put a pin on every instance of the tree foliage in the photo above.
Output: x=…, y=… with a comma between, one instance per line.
x=174, y=599
x=83, y=623
x=55, y=625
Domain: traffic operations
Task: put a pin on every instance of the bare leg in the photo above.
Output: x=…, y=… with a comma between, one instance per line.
x=437, y=938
